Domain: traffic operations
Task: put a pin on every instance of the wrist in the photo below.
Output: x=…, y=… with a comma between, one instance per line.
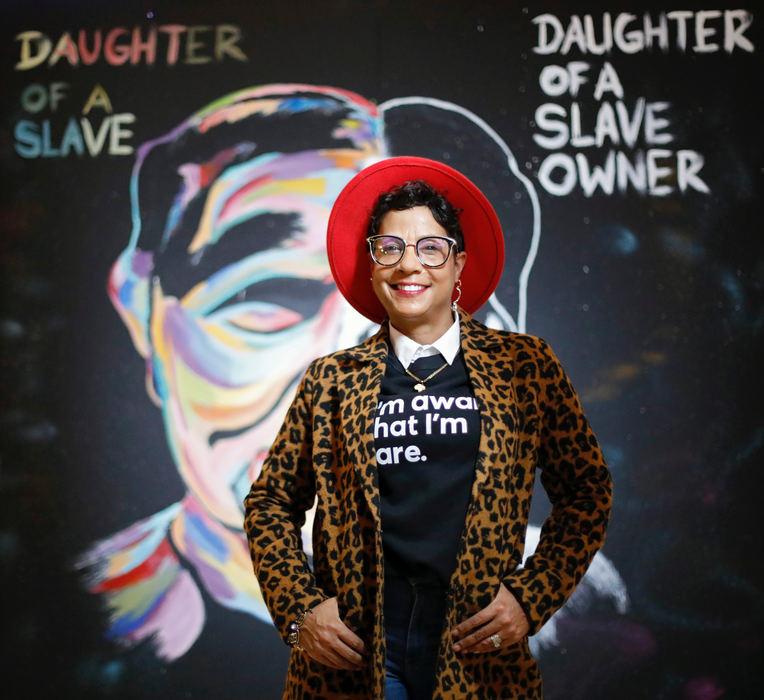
x=295, y=627
x=293, y=639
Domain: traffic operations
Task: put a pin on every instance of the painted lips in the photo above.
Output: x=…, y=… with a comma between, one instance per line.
x=409, y=288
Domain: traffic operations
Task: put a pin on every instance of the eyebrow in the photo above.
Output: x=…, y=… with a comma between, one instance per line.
x=179, y=271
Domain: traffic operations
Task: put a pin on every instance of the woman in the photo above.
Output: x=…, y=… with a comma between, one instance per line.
x=420, y=446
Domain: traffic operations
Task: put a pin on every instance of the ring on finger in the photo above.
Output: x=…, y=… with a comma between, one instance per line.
x=496, y=639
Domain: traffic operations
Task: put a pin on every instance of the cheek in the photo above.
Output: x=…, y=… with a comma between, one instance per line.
x=376, y=278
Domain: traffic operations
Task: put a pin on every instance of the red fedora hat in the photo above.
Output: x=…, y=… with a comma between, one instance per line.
x=346, y=236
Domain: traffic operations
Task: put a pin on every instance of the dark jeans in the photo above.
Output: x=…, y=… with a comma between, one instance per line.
x=414, y=618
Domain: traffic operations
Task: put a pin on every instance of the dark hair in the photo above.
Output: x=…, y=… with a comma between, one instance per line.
x=418, y=193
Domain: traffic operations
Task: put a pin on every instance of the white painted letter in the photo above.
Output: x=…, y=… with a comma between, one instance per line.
x=608, y=81
x=545, y=119
x=576, y=70
x=654, y=124
x=607, y=34
x=631, y=42
x=701, y=31
x=655, y=172
x=733, y=35
x=545, y=44
x=554, y=80
x=597, y=176
x=659, y=31
x=567, y=165
x=680, y=17
x=688, y=166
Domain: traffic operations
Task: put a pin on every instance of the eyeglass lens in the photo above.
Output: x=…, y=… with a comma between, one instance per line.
x=431, y=251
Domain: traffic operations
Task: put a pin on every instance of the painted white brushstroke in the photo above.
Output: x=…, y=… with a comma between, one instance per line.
x=501, y=312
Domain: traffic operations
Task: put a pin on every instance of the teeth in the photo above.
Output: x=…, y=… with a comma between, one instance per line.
x=410, y=287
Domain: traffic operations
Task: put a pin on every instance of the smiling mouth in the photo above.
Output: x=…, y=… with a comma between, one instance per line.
x=411, y=288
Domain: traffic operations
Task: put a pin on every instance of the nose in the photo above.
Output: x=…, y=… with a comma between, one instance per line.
x=410, y=261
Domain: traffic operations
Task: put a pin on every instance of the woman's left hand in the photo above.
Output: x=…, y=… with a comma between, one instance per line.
x=503, y=617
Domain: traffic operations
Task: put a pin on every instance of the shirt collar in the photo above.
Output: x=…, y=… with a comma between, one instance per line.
x=408, y=350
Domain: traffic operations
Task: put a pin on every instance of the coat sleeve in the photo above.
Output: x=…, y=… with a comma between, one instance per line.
x=579, y=486
x=275, y=512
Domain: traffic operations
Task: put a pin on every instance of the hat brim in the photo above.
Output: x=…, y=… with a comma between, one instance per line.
x=348, y=223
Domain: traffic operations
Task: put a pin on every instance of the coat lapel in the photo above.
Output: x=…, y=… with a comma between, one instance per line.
x=358, y=396
x=490, y=372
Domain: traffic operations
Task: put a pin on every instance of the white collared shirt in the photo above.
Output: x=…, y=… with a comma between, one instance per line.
x=408, y=350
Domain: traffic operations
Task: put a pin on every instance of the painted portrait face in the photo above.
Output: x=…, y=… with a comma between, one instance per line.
x=237, y=288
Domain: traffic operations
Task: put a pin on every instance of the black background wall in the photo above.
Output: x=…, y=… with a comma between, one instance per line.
x=652, y=301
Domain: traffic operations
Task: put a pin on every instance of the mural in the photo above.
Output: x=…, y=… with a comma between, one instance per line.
x=621, y=149
x=226, y=292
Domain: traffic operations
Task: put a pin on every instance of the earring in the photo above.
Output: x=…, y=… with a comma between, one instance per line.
x=458, y=294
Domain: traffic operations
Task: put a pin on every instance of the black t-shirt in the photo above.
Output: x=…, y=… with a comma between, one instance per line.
x=426, y=446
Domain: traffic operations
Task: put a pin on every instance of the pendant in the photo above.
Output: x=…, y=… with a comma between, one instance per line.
x=419, y=387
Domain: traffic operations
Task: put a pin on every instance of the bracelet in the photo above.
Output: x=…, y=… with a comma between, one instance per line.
x=294, y=630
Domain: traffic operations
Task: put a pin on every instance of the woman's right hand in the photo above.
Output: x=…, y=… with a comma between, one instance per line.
x=328, y=640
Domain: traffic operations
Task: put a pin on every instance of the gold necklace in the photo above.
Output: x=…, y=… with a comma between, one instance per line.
x=420, y=385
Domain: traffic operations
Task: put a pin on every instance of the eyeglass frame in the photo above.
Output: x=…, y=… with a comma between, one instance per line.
x=370, y=240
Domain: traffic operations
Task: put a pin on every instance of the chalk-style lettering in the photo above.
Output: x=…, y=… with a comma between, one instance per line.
x=116, y=54
x=577, y=137
x=656, y=172
x=735, y=24
x=34, y=140
x=556, y=80
x=596, y=176
x=551, y=117
x=602, y=36
x=120, y=45
x=117, y=134
x=608, y=81
x=147, y=48
x=702, y=32
x=646, y=171
x=65, y=48
x=98, y=98
x=227, y=36
x=654, y=124
x=612, y=123
x=36, y=97
x=688, y=165
x=630, y=126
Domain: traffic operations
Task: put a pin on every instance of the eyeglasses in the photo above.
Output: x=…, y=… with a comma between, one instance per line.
x=432, y=251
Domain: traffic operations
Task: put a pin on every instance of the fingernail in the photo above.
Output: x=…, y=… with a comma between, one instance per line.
x=457, y=647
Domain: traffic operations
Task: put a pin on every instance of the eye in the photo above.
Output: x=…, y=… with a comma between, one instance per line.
x=265, y=320
x=273, y=305
x=390, y=246
x=432, y=245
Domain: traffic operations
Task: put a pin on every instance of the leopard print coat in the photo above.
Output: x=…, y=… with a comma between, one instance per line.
x=530, y=418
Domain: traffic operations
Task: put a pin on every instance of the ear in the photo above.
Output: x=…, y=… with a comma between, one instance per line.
x=459, y=262
x=129, y=289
